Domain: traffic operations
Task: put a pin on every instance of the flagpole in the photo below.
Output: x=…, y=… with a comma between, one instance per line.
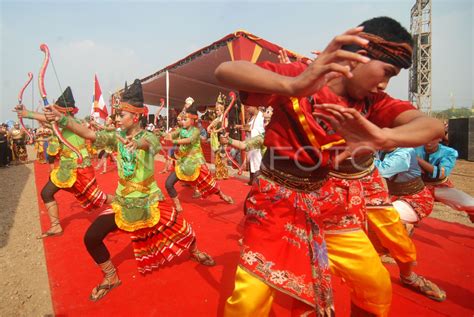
x=167, y=101
x=32, y=102
x=93, y=98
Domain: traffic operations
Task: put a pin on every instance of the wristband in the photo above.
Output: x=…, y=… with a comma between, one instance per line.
x=137, y=143
x=230, y=141
x=63, y=121
x=175, y=142
x=29, y=114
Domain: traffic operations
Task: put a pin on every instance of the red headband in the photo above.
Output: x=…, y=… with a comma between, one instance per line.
x=72, y=110
x=133, y=109
x=397, y=54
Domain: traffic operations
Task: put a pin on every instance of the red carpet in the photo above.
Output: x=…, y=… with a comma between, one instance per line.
x=184, y=288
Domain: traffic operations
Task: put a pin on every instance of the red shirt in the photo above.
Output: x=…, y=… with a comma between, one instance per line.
x=295, y=134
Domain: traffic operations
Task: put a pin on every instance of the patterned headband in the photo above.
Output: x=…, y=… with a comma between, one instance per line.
x=397, y=54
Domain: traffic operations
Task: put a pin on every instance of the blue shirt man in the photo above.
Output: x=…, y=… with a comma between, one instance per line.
x=399, y=165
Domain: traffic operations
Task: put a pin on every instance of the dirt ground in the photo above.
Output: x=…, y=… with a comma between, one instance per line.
x=23, y=277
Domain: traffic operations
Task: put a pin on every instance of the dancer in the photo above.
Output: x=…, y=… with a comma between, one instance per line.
x=409, y=195
x=76, y=178
x=42, y=135
x=382, y=219
x=214, y=129
x=437, y=161
x=190, y=164
x=385, y=229
x=157, y=232
x=18, y=144
x=283, y=224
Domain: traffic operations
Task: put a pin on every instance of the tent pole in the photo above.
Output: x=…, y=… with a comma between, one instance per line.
x=167, y=101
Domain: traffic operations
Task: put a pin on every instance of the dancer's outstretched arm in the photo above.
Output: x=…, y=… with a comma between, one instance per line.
x=22, y=112
x=191, y=139
x=243, y=75
x=52, y=115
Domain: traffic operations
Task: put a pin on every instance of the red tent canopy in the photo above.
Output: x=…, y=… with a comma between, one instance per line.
x=194, y=75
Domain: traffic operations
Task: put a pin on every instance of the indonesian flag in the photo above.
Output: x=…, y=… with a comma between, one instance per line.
x=99, y=109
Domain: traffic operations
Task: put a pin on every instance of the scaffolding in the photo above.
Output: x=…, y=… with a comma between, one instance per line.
x=419, y=90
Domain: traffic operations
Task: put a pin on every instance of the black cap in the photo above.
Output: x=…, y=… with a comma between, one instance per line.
x=66, y=100
x=192, y=109
x=133, y=95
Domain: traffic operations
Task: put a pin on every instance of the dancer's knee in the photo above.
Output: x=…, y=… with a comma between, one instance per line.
x=169, y=185
x=47, y=195
x=91, y=238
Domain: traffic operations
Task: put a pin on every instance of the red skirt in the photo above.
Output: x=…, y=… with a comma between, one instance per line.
x=86, y=190
x=283, y=242
x=375, y=192
x=161, y=243
x=421, y=202
x=432, y=188
x=205, y=183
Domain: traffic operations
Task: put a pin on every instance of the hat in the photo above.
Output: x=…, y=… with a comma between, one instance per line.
x=133, y=95
x=191, y=112
x=66, y=100
x=189, y=101
x=132, y=98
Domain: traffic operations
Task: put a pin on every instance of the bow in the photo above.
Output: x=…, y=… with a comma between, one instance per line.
x=162, y=105
x=20, y=99
x=225, y=123
x=54, y=125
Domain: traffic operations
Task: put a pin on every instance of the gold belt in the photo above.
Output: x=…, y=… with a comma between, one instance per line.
x=354, y=168
x=290, y=181
x=130, y=187
x=410, y=187
x=433, y=182
x=356, y=174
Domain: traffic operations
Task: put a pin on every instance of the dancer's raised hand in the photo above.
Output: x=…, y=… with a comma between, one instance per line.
x=360, y=134
x=330, y=63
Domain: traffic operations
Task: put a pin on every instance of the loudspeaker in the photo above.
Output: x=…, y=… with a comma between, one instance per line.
x=461, y=137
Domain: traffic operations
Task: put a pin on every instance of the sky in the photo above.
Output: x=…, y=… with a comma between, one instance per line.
x=123, y=40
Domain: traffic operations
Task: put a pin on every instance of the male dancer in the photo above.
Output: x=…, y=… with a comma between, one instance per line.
x=437, y=161
x=283, y=223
